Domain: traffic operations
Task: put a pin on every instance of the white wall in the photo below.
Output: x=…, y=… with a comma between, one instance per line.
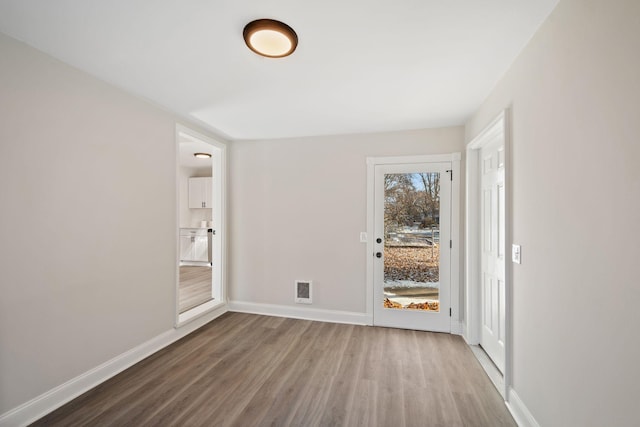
x=298, y=207
x=87, y=220
x=575, y=94
x=191, y=217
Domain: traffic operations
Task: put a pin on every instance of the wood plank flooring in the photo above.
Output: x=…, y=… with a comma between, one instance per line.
x=195, y=286
x=251, y=370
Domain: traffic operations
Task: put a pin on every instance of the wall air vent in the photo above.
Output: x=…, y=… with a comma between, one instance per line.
x=303, y=291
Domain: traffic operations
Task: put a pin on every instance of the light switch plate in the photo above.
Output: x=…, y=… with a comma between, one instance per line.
x=363, y=237
x=516, y=254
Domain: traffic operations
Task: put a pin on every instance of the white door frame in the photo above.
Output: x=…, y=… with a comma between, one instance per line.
x=454, y=158
x=499, y=126
x=219, y=187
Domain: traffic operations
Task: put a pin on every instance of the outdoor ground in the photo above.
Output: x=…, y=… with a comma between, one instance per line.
x=411, y=277
x=417, y=264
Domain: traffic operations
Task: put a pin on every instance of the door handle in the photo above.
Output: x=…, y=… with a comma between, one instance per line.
x=378, y=254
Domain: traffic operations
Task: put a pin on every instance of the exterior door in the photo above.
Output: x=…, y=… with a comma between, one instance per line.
x=412, y=258
x=492, y=245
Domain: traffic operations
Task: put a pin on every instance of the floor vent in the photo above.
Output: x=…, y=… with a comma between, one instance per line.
x=303, y=291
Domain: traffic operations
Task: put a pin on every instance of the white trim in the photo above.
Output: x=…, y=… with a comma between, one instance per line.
x=519, y=410
x=472, y=264
x=498, y=127
x=428, y=158
x=508, y=268
x=219, y=173
x=322, y=315
x=47, y=402
x=496, y=377
x=456, y=253
x=457, y=327
x=369, y=293
x=491, y=131
x=456, y=243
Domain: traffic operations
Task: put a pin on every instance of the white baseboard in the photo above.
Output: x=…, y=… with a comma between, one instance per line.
x=519, y=410
x=307, y=313
x=456, y=327
x=47, y=402
x=467, y=338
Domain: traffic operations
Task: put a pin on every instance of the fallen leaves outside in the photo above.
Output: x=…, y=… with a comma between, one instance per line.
x=413, y=264
x=418, y=264
x=429, y=305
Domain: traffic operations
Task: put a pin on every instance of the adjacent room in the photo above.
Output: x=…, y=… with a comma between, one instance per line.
x=341, y=213
x=196, y=222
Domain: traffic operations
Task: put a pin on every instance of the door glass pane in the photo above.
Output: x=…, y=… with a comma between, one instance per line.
x=412, y=241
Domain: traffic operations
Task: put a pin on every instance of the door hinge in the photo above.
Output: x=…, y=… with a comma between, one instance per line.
x=450, y=244
x=450, y=172
x=449, y=311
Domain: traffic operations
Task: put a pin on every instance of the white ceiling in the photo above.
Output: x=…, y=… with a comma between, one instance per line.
x=360, y=66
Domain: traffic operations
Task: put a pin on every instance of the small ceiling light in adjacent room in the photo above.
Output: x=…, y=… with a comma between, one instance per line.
x=202, y=155
x=270, y=38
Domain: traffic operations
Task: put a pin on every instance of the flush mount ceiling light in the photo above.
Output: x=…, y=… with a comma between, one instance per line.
x=202, y=155
x=270, y=38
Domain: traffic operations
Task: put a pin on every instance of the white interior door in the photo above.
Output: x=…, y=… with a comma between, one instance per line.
x=492, y=245
x=412, y=256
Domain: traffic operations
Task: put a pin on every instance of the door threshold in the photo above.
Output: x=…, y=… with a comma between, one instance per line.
x=490, y=368
x=195, y=264
x=198, y=311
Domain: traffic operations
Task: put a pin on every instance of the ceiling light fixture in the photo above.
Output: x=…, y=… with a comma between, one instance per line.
x=202, y=155
x=270, y=38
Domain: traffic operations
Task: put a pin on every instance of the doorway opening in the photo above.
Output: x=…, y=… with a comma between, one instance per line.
x=488, y=284
x=200, y=267
x=411, y=245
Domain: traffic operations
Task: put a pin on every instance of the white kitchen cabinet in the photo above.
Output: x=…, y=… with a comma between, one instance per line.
x=194, y=245
x=186, y=251
x=200, y=192
x=201, y=249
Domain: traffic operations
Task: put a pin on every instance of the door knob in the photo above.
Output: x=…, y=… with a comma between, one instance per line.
x=379, y=254
x=378, y=240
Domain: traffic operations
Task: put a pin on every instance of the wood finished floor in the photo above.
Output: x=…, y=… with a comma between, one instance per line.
x=250, y=370
x=195, y=286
